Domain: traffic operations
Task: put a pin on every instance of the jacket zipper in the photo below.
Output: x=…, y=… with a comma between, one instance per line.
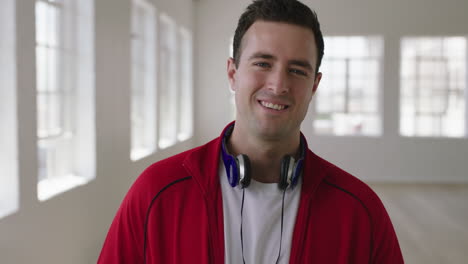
x=304, y=220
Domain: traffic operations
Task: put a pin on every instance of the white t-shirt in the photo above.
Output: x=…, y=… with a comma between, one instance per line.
x=261, y=226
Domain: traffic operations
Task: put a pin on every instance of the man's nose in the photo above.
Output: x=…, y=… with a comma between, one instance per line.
x=278, y=81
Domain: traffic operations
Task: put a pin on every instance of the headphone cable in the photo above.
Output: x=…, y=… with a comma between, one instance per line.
x=281, y=233
x=242, y=210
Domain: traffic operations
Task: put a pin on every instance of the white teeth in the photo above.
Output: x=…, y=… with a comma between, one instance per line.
x=273, y=106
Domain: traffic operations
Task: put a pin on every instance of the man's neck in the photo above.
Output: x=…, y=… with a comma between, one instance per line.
x=265, y=154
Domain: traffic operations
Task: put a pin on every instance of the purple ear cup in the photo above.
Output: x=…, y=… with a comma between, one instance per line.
x=230, y=162
x=232, y=172
x=297, y=172
x=299, y=164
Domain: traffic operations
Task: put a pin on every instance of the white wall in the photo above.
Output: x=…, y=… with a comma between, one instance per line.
x=386, y=158
x=71, y=227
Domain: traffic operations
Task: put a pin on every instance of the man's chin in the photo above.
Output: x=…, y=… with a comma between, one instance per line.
x=272, y=133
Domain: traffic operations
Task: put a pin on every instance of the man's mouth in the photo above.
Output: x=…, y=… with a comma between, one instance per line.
x=269, y=105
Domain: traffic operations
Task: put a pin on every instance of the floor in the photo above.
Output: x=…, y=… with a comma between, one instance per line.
x=431, y=221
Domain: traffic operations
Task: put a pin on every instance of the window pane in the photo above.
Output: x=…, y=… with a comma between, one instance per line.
x=186, y=97
x=9, y=184
x=53, y=57
x=143, y=102
x=433, y=86
x=41, y=23
x=41, y=68
x=168, y=102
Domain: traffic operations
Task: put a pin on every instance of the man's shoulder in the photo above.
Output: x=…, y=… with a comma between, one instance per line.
x=175, y=163
x=350, y=186
x=168, y=166
x=173, y=168
x=345, y=200
x=166, y=174
x=167, y=169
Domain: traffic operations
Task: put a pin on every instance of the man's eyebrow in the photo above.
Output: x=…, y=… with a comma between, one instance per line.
x=261, y=55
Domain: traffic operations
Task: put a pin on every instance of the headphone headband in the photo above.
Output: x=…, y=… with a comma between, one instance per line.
x=238, y=168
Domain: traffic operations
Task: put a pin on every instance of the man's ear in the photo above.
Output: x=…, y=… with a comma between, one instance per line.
x=231, y=72
x=318, y=77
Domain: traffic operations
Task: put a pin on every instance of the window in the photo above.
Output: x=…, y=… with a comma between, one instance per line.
x=348, y=96
x=433, y=86
x=185, y=126
x=143, y=104
x=9, y=191
x=65, y=95
x=168, y=83
x=232, y=95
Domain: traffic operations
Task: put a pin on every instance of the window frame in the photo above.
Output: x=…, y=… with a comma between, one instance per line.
x=73, y=137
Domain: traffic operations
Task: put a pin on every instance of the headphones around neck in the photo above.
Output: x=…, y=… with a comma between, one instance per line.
x=238, y=168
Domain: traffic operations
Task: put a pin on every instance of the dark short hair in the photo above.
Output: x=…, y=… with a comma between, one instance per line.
x=287, y=11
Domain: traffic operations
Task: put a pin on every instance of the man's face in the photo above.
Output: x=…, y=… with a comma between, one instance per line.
x=275, y=79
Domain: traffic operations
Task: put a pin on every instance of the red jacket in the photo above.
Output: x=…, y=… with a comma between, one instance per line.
x=173, y=213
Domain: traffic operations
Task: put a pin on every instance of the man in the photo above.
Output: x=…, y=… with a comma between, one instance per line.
x=256, y=194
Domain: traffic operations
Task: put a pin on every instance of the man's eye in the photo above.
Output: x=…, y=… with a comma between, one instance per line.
x=298, y=72
x=262, y=64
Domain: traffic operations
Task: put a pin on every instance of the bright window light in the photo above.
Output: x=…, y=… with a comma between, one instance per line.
x=185, y=112
x=232, y=99
x=143, y=104
x=65, y=95
x=167, y=92
x=433, y=86
x=9, y=191
x=348, y=101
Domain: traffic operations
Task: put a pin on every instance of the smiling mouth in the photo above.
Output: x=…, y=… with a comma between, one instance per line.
x=273, y=106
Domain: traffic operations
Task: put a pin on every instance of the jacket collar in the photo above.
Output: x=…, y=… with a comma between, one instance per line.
x=203, y=165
